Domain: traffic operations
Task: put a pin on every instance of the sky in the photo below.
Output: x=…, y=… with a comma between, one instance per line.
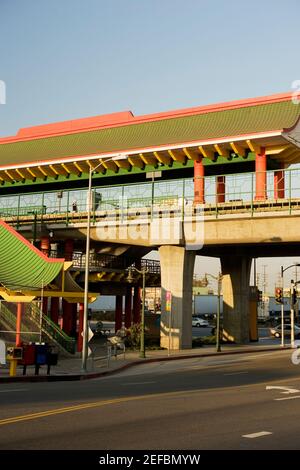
x=67, y=59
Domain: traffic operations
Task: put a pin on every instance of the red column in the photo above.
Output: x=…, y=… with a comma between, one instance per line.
x=279, y=184
x=18, y=324
x=261, y=175
x=119, y=312
x=128, y=302
x=136, y=305
x=45, y=306
x=69, y=248
x=67, y=317
x=54, y=309
x=45, y=245
x=199, y=182
x=80, y=328
x=220, y=189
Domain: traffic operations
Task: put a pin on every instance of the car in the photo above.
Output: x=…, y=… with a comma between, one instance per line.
x=197, y=321
x=276, y=331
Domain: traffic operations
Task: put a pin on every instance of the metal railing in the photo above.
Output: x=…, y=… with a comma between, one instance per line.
x=154, y=200
x=50, y=329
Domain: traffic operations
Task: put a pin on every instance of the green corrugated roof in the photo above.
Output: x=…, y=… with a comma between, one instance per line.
x=213, y=125
x=21, y=266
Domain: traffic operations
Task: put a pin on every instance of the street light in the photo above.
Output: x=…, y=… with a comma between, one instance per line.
x=282, y=270
x=87, y=260
x=219, y=280
x=143, y=272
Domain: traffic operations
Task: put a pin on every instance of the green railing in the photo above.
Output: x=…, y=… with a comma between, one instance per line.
x=69, y=206
x=51, y=329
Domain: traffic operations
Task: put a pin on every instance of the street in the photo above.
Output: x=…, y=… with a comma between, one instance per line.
x=225, y=402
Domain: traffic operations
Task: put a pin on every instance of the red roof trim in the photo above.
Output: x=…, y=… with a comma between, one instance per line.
x=32, y=247
x=126, y=118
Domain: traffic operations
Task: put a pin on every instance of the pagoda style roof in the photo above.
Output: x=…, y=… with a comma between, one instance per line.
x=209, y=132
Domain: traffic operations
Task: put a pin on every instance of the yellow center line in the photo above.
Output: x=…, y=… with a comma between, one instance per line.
x=69, y=409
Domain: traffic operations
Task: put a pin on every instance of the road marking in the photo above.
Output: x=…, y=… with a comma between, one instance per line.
x=139, y=383
x=97, y=404
x=257, y=434
x=287, y=398
x=237, y=373
x=286, y=390
x=15, y=390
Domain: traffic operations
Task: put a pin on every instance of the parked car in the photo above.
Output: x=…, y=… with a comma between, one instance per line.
x=276, y=331
x=199, y=322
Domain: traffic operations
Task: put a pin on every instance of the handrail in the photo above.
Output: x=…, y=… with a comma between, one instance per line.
x=10, y=318
x=51, y=329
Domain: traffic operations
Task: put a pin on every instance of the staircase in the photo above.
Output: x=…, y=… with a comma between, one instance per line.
x=34, y=321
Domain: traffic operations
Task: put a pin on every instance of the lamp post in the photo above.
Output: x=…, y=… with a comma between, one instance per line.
x=282, y=270
x=219, y=280
x=143, y=272
x=87, y=259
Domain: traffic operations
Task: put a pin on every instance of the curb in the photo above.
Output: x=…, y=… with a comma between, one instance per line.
x=95, y=375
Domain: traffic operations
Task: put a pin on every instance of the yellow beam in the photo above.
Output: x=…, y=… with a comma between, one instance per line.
x=9, y=175
x=123, y=164
x=177, y=156
x=42, y=171
x=276, y=149
x=238, y=149
x=191, y=154
x=148, y=159
x=54, y=170
x=207, y=153
x=20, y=173
x=135, y=160
x=66, y=168
x=164, y=159
x=223, y=152
x=253, y=146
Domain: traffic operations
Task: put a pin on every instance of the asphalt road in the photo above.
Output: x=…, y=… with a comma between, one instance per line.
x=199, y=403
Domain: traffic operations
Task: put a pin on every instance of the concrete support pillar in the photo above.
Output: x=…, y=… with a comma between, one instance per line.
x=220, y=189
x=279, y=184
x=80, y=328
x=236, y=295
x=128, y=303
x=119, y=312
x=199, y=182
x=261, y=175
x=177, y=268
x=136, y=309
x=69, y=248
x=45, y=245
x=19, y=324
x=54, y=309
x=67, y=324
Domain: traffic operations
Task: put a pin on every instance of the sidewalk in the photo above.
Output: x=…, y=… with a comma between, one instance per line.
x=69, y=369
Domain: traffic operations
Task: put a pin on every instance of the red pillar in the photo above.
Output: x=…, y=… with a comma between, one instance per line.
x=136, y=305
x=45, y=245
x=69, y=248
x=80, y=328
x=18, y=324
x=119, y=312
x=279, y=184
x=261, y=175
x=67, y=317
x=128, y=302
x=220, y=189
x=54, y=309
x=199, y=182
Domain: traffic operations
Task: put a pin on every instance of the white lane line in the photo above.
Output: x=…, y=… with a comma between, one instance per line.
x=15, y=390
x=138, y=383
x=257, y=434
x=287, y=398
x=237, y=373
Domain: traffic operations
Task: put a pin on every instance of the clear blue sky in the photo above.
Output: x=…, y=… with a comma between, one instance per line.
x=65, y=59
